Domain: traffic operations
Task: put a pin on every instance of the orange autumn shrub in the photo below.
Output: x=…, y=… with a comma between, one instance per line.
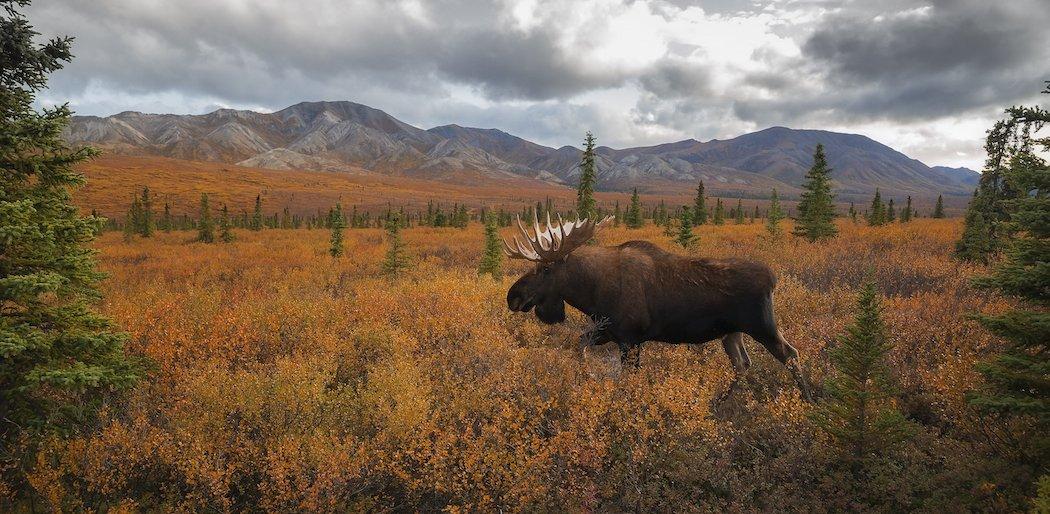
x=287, y=380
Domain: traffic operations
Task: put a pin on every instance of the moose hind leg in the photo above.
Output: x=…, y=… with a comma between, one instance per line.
x=733, y=344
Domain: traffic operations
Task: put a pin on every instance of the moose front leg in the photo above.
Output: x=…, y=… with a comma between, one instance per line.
x=597, y=334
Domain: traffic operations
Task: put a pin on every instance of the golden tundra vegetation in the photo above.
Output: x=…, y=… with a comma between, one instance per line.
x=283, y=379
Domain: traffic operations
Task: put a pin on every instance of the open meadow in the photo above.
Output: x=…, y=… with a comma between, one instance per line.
x=288, y=380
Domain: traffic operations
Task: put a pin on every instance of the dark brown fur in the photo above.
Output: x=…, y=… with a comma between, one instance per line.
x=636, y=292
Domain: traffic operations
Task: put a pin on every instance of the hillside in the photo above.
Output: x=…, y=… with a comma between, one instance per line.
x=350, y=137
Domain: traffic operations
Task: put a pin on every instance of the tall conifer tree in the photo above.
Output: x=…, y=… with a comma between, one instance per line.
x=816, y=212
x=774, y=216
x=225, y=234
x=585, y=206
x=938, y=210
x=1017, y=381
x=877, y=213
x=205, y=225
x=257, y=214
x=700, y=205
x=634, y=212
x=58, y=357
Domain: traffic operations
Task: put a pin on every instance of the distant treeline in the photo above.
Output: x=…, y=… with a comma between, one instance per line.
x=143, y=216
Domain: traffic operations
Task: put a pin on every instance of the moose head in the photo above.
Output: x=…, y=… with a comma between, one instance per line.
x=549, y=248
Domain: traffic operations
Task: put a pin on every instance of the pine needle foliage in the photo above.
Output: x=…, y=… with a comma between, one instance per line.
x=585, y=205
x=816, y=210
x=776, y=214
x=396, y=260
x=492, y=258
x=859, y=413
x=336, y=223
x=686, y=238
x=225, y=232
x=634, y=212
x=206, y=226
x=700, y=206
x=1017, y=381
x=58, y=358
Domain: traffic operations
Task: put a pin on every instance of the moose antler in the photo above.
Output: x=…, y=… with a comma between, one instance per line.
x=554, y=243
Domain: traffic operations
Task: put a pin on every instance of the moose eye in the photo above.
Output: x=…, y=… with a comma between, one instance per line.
x=545, y=270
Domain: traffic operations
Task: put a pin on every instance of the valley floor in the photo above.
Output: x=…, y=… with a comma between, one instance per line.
x=287, y=380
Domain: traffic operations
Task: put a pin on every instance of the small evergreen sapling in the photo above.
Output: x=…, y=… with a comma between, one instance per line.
x=205, y=227
x=877, y=213
x=719, y=217
x=492, y=258
x=335, y=247
x=396, y=260
x=938, y=210
x=257, y=214
x=634, y=212
x=225, y=234
x=700, y=206
x=860, y=413
x=774, y=216
x=686, y=238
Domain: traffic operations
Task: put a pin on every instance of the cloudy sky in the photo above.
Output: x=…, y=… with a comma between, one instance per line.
x=924, y=76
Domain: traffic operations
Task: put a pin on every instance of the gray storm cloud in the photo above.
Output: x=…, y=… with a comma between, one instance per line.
x=635, y=72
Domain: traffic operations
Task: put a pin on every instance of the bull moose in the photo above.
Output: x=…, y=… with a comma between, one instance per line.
x=637, y=292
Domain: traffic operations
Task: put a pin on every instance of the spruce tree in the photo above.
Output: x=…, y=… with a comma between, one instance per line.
x=617, y=215
x=58, y=357
x=335, y=247
x=257, y=215
x=686, y=238
x=225, y=234
x=738, y=218
x=906, y=212
x=853, y=212
x=205, y=226
x=133, y=221
x=938, y=210
x=634, y=212
x=166, y=221
x=859, y=413
x=816, y=212
x=891, y=212
x=700, y=206
x=877, y=213
x=492, y=258
x=1017, y=381
x=774, y=216
x=754, y=214
x=145, y=227
x=1007, y=138
x=396, y=259
x=719, y=218
x=585, y=207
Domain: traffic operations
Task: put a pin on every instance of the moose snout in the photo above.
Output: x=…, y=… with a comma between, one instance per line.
x=518, y=302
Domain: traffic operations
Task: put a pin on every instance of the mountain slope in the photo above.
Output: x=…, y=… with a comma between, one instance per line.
x=346, y=136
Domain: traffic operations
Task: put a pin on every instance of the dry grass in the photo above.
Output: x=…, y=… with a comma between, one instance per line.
x=114, y=179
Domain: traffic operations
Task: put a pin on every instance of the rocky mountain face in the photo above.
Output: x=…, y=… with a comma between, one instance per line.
x=341, y=136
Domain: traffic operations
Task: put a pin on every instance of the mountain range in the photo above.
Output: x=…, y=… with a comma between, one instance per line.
x=350, y=137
